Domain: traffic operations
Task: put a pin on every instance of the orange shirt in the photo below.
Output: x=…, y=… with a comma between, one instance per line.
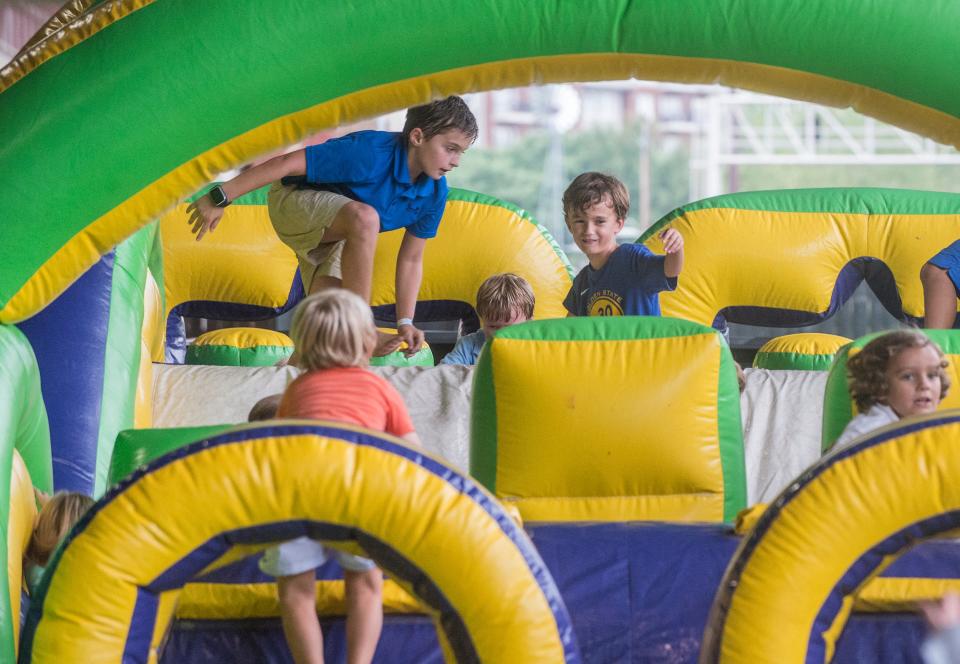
x=347, y=394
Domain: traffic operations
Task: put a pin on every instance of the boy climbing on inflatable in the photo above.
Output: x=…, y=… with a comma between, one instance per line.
x=620, y=280
x=328, y=202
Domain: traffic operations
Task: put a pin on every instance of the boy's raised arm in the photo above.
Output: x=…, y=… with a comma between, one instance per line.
x=204, y=215
x=673, y=246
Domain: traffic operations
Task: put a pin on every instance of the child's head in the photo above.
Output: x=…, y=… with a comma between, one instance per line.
x=502, y=300
x=436, y=134
x=595, y=207
x=54, y=521
x=333, y=328
x=265, y=409
x=903, y=370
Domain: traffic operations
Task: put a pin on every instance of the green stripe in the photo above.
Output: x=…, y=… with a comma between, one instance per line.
x=136, y=447
x=422, y=358
x=122, y=360
x=839, y=200
x=483, y=420
x=793, y=361
x=233, y=356
x=111, y=131
x=23, y=426
x=730, y=435
x=483, y=199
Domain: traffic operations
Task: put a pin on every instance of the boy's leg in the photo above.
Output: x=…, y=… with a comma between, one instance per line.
x=358, y=225
x=298, y=612
x=364, y=592
x=939, y=298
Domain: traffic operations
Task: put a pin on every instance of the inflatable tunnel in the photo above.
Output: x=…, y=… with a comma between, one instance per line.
x=195, y=90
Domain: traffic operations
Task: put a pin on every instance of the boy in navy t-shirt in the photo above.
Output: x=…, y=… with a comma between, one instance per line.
x=329, y=201
x=621, y=280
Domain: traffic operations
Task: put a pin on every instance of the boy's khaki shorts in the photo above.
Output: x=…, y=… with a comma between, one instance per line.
x=301, y=217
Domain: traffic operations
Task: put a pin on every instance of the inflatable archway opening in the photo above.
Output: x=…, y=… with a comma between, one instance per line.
x=253, y=111
x=809, y=351
x=621, y=418
x=793, y=257
x=789, y=590
x=147, y=537
x=839, y=408
x=478, y=236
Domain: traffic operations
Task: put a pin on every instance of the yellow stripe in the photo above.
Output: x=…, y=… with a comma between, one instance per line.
x=219, y=601
x=809, y=343
x=885, y=595
x=23, y=511
x=243, y=337
x=82, y=251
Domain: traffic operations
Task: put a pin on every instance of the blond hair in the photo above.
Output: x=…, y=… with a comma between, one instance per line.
x=333, y=328
x=590, y=188
x=54, y=521
x=502, y=295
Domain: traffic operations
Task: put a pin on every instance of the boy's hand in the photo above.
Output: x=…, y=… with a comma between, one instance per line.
x=672, y=240
x=412, y=336
x=943, y=614
x=204, y=216
x=386, y=344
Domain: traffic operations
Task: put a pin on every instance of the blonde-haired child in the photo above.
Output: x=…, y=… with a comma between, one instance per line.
x=502, y=300
x=58, y=514
x=334, y=334
x=896, y=375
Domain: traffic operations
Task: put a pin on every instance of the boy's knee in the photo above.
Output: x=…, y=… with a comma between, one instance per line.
x=364, y=222
x=367, y=583
x=298, y=589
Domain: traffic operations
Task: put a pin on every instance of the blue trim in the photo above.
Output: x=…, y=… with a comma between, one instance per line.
x=137, y=647
x=208, y=552
x=832, y=605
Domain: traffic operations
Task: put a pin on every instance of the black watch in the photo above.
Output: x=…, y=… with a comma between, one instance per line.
x=219, y=197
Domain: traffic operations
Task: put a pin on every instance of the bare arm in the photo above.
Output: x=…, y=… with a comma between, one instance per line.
x=939, y=298
x=673, y=245
x=204, y=217
x=413, y=439
x=409, y=275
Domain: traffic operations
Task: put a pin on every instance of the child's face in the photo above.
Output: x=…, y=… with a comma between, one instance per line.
x=913, y=380
x=439, y=155
x=595, y=228
x=490, y=326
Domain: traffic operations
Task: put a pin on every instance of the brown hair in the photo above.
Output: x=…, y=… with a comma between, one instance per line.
x=54, y=521
x=590, y=188
x=265, y=409
x=333, y=328
x=867, y=370
x=440, y=116
x=503, y=294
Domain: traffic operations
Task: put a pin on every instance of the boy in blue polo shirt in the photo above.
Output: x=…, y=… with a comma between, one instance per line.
x=329, y=201
x=940, y=277
x=620, y=280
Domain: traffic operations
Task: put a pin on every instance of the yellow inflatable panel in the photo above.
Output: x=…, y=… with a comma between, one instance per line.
x=609, y=419
x=784, y=599
x=23, y=512
x=147, y=537
x=764, y=257
x=810, y=351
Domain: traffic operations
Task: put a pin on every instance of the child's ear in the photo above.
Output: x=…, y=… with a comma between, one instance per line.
x=416, y=136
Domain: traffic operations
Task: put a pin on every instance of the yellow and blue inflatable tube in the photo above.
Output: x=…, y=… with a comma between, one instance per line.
x=793, y=257
x=839, y=408
x=790, y=588
x=609, y=419
x=56, y=233
x=149, y=536
x=807, y=351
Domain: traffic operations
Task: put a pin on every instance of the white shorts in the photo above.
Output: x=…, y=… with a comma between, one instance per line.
x=304, y=554
x=301, y=217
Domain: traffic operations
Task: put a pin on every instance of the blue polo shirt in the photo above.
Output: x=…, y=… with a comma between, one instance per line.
x=371, y=167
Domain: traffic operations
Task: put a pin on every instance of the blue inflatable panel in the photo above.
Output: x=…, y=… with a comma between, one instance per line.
x=69, y=338
x=637, y=592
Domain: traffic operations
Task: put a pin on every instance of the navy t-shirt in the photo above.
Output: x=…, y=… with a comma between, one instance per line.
x=627, y=285
x=371, y=167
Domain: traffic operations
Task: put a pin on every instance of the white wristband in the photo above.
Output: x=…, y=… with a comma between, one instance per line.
x=405, y=321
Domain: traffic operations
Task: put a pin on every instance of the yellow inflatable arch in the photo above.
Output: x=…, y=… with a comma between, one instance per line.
x=790, y=587
x=105, y=597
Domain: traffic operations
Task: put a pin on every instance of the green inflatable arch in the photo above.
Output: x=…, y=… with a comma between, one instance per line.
x=112, y=122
